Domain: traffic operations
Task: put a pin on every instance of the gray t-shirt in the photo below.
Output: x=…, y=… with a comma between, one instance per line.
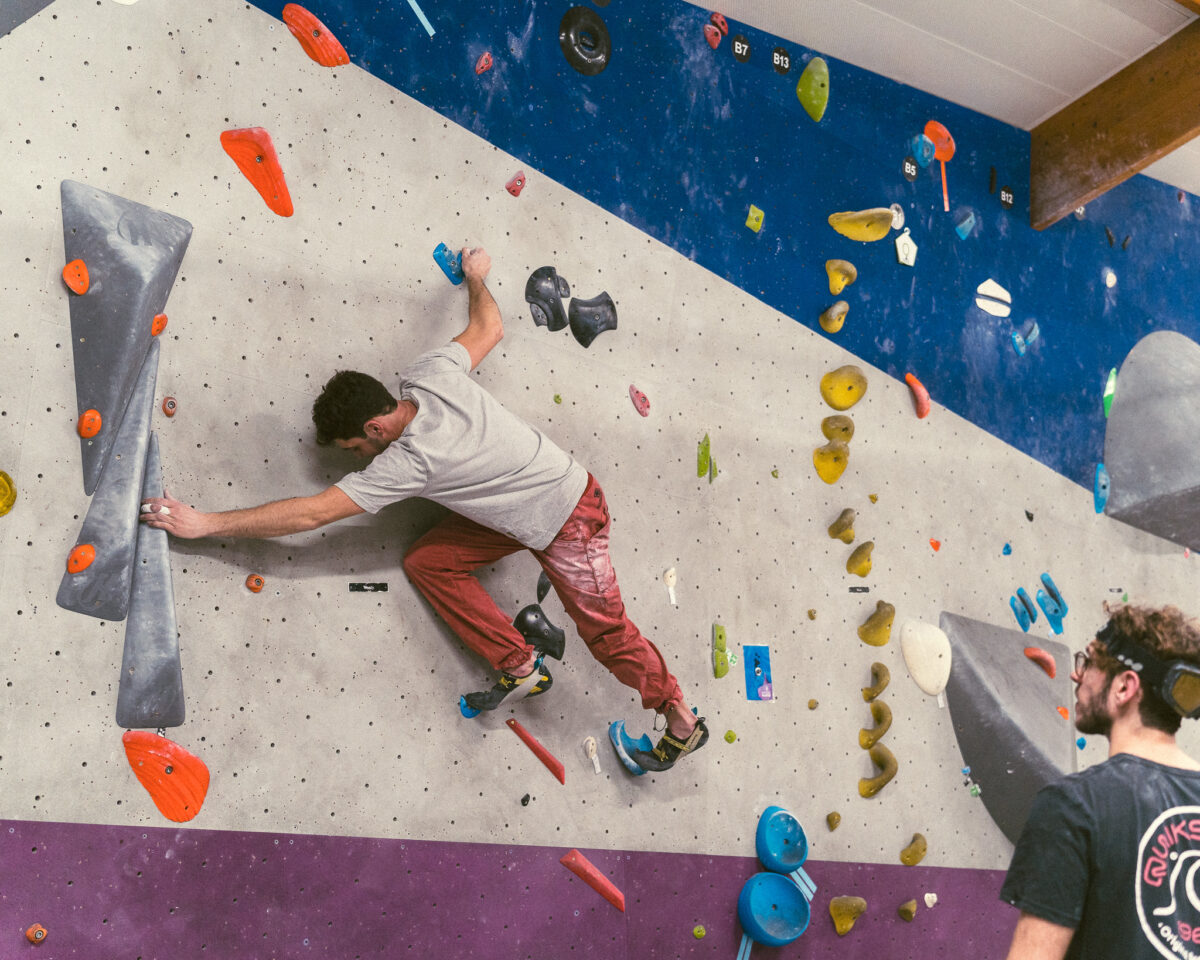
x=466, y=452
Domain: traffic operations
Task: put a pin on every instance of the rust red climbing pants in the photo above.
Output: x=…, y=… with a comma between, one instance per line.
x=579, y=568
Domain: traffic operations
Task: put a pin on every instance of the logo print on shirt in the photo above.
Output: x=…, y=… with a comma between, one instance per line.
x=1168, y=883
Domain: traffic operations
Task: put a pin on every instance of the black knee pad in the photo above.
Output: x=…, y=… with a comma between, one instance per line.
x=544, y=292
x=531, y=623
x=584, y=39
x=590, y=318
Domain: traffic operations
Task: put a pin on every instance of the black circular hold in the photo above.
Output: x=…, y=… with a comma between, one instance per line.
x=741, y=48
x=1006, y=198
x=525, y=800
x=910, y=169
x=584, y=39
x=781, y=60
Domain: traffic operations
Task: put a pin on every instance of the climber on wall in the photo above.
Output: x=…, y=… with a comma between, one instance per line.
x=1105, y=865
x=510, y=488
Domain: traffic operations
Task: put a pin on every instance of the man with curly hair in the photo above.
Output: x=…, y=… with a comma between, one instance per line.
x=509, y=488
x=1107, y=864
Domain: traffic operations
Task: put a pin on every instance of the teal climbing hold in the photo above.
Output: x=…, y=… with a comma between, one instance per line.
x=813, y=88
x=1100, y=490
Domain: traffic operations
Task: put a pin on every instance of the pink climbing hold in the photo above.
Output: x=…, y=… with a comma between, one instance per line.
x=516, y=184
x=712, y=35
x=640, y=402
x=920, y=396
x=484, y=63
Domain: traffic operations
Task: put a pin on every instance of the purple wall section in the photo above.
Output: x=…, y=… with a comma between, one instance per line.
x=168, y=894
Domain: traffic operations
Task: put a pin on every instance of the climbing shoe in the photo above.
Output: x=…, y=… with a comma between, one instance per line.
x=510, y=689
x=670, y=748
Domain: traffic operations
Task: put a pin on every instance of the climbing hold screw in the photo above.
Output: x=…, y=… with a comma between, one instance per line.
x=254, y=583
x=169, y=406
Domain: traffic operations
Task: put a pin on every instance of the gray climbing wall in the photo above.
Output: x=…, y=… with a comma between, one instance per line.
x=323, y=711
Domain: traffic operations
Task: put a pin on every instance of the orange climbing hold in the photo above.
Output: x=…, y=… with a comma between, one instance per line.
x=36, y=933
x=590, y=874
x=254, y=583
x=75, y=276
x=81, y=558
x=176, y=780
x=920, y=396
x=159, y=324
x=1062, y=712
x=936, y=544
x=1042, y=659
x=314, y=37
x=89, y=424
x=253, y=152
x=553, y=764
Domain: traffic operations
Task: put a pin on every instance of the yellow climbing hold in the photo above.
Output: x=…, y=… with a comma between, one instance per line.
x=908, y=910
x=812, y=614
x=838, y=427
x=843, y=527
x=844, y=911
x=873, y=497
x=844, y=387
x=883, y=758
x=865, y=225
x=914, y=853
x=881, y=676
x=831, y=460
x=877, y=630
x=812, y=704
x=754, y=219
x=841, y=274
x=730, y=736
x=881, y=713
x=833, y=820
x=698, y=931
x=832, y=319
x=859, y=563
x=720, y=655
x=8, y=493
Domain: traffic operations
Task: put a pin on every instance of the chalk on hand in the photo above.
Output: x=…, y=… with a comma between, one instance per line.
x=149, y=508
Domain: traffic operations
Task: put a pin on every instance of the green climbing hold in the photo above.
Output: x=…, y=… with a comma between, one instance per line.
x=775, y=474
x=698, y=931
x=703, y=457
x=558, y=398
x=1110, y=389
x=813, y=88
x=720, y=656
x=730, y=736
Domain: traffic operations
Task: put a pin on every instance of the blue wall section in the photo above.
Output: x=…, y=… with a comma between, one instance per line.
x=678, y=140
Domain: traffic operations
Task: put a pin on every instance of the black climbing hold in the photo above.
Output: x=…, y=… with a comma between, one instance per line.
x=544, y=292
x=584, y=39
x=1111, y=239
x=525, y=800
x=543, y=586
x=590, y=318
x=1029, y=516
x=1125, y=243
x=992, y=180
x=531, y=623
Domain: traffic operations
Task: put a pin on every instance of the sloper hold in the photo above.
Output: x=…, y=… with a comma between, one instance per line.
x=831, y=460
x=103, y=589
x=134, y=253
x=176, y=780
x=1150, y=445
x=841, y=274
x=927, y=654
x=838, y=427
x=316, y=38
x=812, y=89
x=1003, y=717
x=864, y=225
x=844, y=387
x=877, y=630
x=590, y=318
x=254, y=153
x=150, y=693
x=834, y=317
x=544, y=292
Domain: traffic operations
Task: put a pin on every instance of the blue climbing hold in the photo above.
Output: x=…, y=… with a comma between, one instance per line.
x=773, y=909
x=922, y=149
x=1080, y=743
x=450, y=261
x=1052, y=603
x=965, y=225
x=1024, y=610
x=1018, y=343
x=1100, y=490
x=1007, y=551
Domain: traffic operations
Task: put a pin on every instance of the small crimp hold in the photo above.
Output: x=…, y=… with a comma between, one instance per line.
x=754, y=219
x=169, y=406
x=881, y=713
x=883, y=758
x=544, y=292
x=881, y=676
x=712, y=35
x=843, y=527
x=718, y=21
x=321, y=45
x=832, y=319
x=720, y=655
x=914, y=853
x=841, y=274
x=838, y=427
x=640, y=402
x=158, y=324
x=844, y=911
x=484, y=63
x=813, y=704
x=859, y=562
x=844, y=387
x=908, y=910
x=831, y=460
x=36, y=934
x=516, y=183
x=833, y=820
x=255, y=583
x=877, y=630
x=703, y=456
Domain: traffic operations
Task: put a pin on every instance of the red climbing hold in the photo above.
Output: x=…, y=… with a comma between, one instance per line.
x=158, y=325
x=169, y=406
x=81, y=558
x=176, y=780
x=718, y=21
x=936, y=544
x=75, y=276
x=712, y=35
x=590, y=874
x=640, y=402
x=314, y=37
x=484, y=63
x=89, y=424
x=920, y=396
x=1042, y=659
x=516, y=184
x=253, y=152
x=553, y=764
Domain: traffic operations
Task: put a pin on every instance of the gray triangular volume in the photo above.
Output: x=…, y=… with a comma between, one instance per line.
x=150, y=693
x=102, y=590
x=1002, y=706
x=132, y=255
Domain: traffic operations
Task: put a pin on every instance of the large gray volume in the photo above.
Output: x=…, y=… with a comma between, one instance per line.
x=13, y=13
x=102, y=590
x=132, y=253
x=1150, y=445
x=150, y=693
x=1004, y=711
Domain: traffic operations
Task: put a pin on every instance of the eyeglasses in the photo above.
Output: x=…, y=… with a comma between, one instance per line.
x=1081, y=662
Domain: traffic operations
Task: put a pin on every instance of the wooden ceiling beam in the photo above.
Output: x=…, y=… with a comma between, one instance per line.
x=1193, y=5
x=1116, y=129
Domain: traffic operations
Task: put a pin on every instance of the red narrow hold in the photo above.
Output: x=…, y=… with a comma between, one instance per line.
x=1042, y=659
x=89, y=424
x=484, y=63
x=516, y=184
x=81, y=558
x=719, y=22
x=553, y=764
x=176, y=780
x=640, y=402
x=314, y=37
x=588, y=872
x=75, y=276
x=158, y=325
x=712, y=35
x=920, y=396
x=936, y=544
x=253, y=152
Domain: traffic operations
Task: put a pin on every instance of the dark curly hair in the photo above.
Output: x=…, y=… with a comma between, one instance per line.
x=346, y=403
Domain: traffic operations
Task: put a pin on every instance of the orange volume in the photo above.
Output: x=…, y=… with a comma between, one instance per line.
x=253, y=152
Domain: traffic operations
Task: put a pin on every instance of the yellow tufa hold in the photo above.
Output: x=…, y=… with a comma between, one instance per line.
x=908, y=910
x=877, y=630
x=754, y=219
x=843, y=527
x=864, y=225
x=881, y=713
x=914, y=853
x=8, y=493
x=859, y=563
x=844, y=387
x=833, y=820
x=838, y=427
x=881, y=676
x=841, y=274
x=720, y=655
x=884, y=759
x=844, y=911
x=831, y=460
x=832, y=319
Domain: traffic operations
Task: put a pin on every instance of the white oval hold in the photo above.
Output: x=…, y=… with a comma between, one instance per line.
x=926, y=651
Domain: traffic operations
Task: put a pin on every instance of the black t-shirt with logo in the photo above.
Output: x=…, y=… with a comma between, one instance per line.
x=1114, y=852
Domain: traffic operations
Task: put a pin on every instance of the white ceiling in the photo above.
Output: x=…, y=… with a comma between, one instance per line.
x=1019, y=61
